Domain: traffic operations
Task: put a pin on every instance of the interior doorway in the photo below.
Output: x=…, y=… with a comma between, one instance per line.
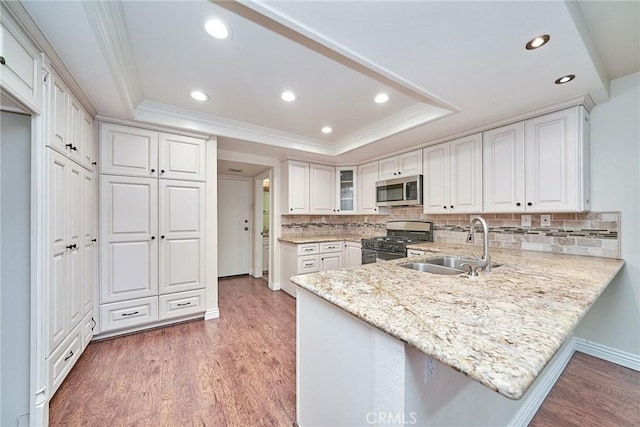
x=266, y=209
x=234, y=226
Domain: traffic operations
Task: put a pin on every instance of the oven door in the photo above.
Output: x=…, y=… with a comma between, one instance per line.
x=368, y=256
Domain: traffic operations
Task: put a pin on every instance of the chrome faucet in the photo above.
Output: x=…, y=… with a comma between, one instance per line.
x=485, y=261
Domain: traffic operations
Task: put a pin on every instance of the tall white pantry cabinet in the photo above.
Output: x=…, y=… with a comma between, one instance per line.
x=152, y=219
x=71, y=206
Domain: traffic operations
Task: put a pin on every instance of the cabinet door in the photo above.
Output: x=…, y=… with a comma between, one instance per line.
x=181, y=157
x=128, y=243
x=129, y=151
x=353, y=255
x=20, y=70
x=331, y=261
x=436, y=179
x=181, y=227
x=76, y=130
x=388, y=168
x=74, y=237
x=551, y=162
x=503, y=169
x=346, y=190
x=58, y=115
x=367, y=178
x=321, y=189
x=89, y=149
x=88, y=240
x=58, y=323
x=465, y=172
x=298, y=187
x=410, y=163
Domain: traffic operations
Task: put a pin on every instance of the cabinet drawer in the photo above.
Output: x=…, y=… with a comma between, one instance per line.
x=181, y=304
x=126, y=314
x=87, y=326
x=413, y=252
x=63, y=358
x=310, y=248
x=330, y=247
x=308, y=264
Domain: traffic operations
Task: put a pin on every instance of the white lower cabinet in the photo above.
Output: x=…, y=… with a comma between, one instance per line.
x=331, y=255
x=181, y=304
x=86, y=328
x=128, y=314
x=352, y=254
x=307, y=258
x=63, y=358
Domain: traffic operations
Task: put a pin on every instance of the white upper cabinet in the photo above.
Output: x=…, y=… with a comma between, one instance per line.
x=346, y=190
x=181, y=209
x=128, y=238
x=181, y=157
x=129, y=151
x=453, y=176
x=58, y=114
x=402, y=165
x=20, y=64
x=322, y=189
x=76, y=130
x=539, y=165
x=503, y=169
x=557, y=161
x=295, y=191
x=89, y=147
x=367, y=178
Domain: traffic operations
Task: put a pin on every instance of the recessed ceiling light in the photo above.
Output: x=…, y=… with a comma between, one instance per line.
x=565, y=79
x=288, y=96
x=537, y=42
x=200, y=96
x=381, y=98
x=327, y=129
x=217, y=29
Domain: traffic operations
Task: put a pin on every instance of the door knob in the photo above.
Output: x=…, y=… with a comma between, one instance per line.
x=246, y=228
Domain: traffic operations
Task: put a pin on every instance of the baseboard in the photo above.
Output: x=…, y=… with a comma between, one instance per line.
x=543, y=385
x=274, y=286
x=619, y=357
x=212, y=313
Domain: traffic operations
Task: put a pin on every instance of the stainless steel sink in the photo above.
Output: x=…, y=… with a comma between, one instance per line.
x=445, y=265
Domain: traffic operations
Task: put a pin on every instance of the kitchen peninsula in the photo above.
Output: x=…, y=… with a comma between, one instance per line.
x=368, y=351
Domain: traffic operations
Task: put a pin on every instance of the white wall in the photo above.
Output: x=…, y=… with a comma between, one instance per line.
x=15, y=193
x=614, y=320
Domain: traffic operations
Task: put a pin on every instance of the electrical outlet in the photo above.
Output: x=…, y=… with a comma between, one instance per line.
x=526, y=220
x=545, y=220
x=429, y=368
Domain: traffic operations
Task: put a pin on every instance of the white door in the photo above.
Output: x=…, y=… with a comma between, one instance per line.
x=298, y=187
x=74, y=238
x=58, y=249
x=128, y=238
x=436, y=179
x=181, y=157
x=76, y=130
x=551, y=166
x=234, y=217
x=89, y=240
x=58, y=114
x=128, y=151
x=465, y=172
x=89, y=149
x=322, y=188
x=181, y=208
x=503, y=169
x=331, y=261
x=410, y=163
x=367, y=178
x=388, y=168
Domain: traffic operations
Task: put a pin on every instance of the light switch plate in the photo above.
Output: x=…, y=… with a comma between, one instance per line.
x=545, y=220
x=526, y=220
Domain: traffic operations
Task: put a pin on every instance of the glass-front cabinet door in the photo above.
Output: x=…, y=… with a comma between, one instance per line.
x=346, y=183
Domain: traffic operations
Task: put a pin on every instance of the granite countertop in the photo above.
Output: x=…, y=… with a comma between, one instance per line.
x=500, y=328
x=320, y=239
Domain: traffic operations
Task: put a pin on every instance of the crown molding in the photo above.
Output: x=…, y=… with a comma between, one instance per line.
x=163, y=114
x=109, y=25
x=105, y=118
x=28, y=26
x=402, y=121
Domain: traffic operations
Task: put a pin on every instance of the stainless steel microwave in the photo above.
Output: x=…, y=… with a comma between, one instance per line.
x=403, y=191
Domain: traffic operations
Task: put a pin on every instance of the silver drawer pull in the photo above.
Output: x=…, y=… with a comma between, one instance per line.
x=308, y=249
x=308, y=264
x=129, y=314
x=330, y=247
x=69, y=356
x=182, y=304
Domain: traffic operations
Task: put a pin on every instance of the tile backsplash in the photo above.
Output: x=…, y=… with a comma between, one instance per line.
x=587, y=233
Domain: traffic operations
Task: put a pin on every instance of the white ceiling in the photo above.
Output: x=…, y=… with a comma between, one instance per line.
x=447, y=66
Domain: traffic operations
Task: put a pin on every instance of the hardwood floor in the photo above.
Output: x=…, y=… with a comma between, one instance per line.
x=592, y=392
x=239, y=370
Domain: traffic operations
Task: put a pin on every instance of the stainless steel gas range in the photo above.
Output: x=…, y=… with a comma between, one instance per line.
x=394, y=244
